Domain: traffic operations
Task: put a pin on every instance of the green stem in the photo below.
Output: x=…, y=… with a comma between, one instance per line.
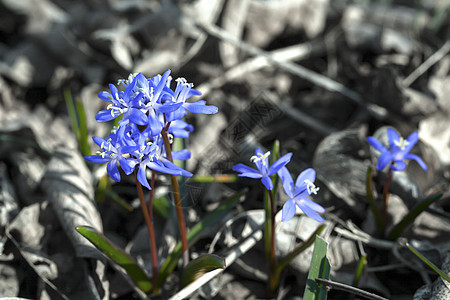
x=373, y=205
x=273, y=259
x=178, y=206
x=148, y=215
x=384, y=207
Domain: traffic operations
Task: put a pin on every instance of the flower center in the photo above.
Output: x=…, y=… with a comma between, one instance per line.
x=401, y=143
x=312, y=189
x=259, y=157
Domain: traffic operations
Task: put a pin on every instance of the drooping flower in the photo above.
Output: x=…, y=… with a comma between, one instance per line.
x=299, y=194
x=398, y=151
x=263, y=170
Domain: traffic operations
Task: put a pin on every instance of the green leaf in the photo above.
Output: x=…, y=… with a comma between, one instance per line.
x=373, y=206
x=72, y=114
x=84, y=143
x=428, y=262
x=213, y=178
x=118, y=255
x=291, y=255
x=359, y=270
x=320, y=268
x=411, y=216
x=162, y=207
x=201, y=265
x=194, y=234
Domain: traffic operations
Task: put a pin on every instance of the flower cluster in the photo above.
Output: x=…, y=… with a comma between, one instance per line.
x=298, y=193
x=398, y=151
x=147, y=107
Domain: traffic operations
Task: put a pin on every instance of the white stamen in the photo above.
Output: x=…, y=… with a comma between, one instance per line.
x=259, y=157
x=401, y=143
x=312, y=189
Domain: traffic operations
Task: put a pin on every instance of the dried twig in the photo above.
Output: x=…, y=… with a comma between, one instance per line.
x=348, y=288
x=318, y=79
x=437, y=56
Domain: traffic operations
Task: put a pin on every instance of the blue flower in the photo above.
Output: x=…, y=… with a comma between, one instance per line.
x=183, y=91
x=112, y=153
x=399, y=151
x=298, y=194
x=264, y=171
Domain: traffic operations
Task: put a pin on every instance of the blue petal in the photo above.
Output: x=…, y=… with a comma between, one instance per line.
x=105, y=96
x=153, y=122
x=398, y=165
x=137, y=116
x=286, y=179
x=309, y=211
x=376, y=144
x=163, y=169
x=97, y=158
x=171, y=166
x=412, y=140
x=384, y=159
x=288, y=210
x=193, y=92
x=314, y=205
x=244, y=169
x=162, y=83
x=126, y=165
x=181, y=154
x=267, y=182
x=98, y=140
x=142, y=176
x=308, y=174
x=199, y=107
x=176, y=115
x=279, y=163
x=113, y=171
x=105, y=115
x=168, y=107
x=418, y=160
x=393, y=137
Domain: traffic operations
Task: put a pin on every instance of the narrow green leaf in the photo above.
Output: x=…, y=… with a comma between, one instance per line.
x=296, y=251
x=373, y=206
x=118, y=255
x=194, y=234
x=359, y=270
x=412, y=215
x=428, y=262
x=84, y=143
x=201, y=265
x=162, y=207
x=117, y=199
x=320, y=268
x=72, y=114
x=300, y=248
x=212, y=178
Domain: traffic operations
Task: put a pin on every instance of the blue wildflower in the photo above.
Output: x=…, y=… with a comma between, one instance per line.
x=112, y=152
x=399, y=151
x=298, y=194
x=264, y=171
x=184, y=91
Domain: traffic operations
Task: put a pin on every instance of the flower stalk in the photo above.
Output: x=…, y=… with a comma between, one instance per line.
x=148, y=216
x=384, y=207
x=176, y=193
